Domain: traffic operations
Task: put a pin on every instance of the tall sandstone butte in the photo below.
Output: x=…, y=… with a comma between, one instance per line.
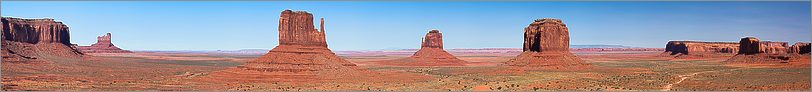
x=700, y=48
x=546, y=43
x=103, y=44
x=431, y=51
x=301, y=47
x=30, y=39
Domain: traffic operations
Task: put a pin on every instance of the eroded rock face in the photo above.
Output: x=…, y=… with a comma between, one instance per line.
x=770, y=47
x=431, y=51
x=699, y=48
x=749, y=45
x=546, y=44
x=433, y=39
x=29, y=39
x=546, y=35
x=103, y=45
x=301, y=48
x=800, y=48
x=752, y=50
x=35, y=31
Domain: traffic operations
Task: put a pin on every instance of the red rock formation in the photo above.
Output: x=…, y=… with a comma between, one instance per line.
x=749, y=45
x=29, y=39
x=754, y=51
x=546, y=43
x=103, y=45
x=770, y=47
x=700, y=48
x=431, y=53
x=800, y=48
x=301, y=48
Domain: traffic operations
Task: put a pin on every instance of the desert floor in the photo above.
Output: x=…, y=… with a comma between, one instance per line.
x=610, y=71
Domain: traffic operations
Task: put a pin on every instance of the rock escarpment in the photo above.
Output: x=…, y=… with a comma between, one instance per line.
x=800, y=48
x=30, y=39
x=697, y=47
x=102, y=45
x=301, y=48
x=546, y=43
x=752, y=50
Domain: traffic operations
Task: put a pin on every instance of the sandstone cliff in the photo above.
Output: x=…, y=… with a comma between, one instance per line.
x=800, y=48
x=103, y=45
x=29, y=39
x=546, y=44
x=752, y=50
x=301, y=48
x=700, y=48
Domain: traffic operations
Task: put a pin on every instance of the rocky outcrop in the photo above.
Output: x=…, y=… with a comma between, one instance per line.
x=29, y=39
x=752, y=50
x=700, y=48
x=800, y=48
x=752, y=45
x=770, y=47
x=103, y=45
x=301, y=48
x=546, y=44
x=749, y=45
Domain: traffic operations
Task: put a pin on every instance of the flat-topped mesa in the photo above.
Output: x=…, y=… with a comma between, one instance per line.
x=296, y=28
x=749, y=45
x=800, y=48
x=432, y=53
x=546, y=43
x=27, y=39
x=103, y=44
x=301, y=48
x=699, y=48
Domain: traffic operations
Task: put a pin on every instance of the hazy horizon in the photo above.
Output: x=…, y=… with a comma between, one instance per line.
x=143, y=25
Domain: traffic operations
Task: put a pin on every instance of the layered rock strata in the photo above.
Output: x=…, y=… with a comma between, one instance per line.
x=103, y=45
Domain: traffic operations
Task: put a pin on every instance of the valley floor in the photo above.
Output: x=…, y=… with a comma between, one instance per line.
x=611, y=71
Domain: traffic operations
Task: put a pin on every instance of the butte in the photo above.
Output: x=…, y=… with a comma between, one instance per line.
x=546, y=45
x=301, y=48
x=751, y=50
x=431, y=53
x=103, y=44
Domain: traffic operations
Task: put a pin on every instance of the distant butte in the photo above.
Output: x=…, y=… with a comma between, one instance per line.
x=431, y=53
x=26, y=40
x=546, y=44
x=102, y=45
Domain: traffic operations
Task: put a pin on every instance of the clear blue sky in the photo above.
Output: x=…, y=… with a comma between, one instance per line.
x=397, y=25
